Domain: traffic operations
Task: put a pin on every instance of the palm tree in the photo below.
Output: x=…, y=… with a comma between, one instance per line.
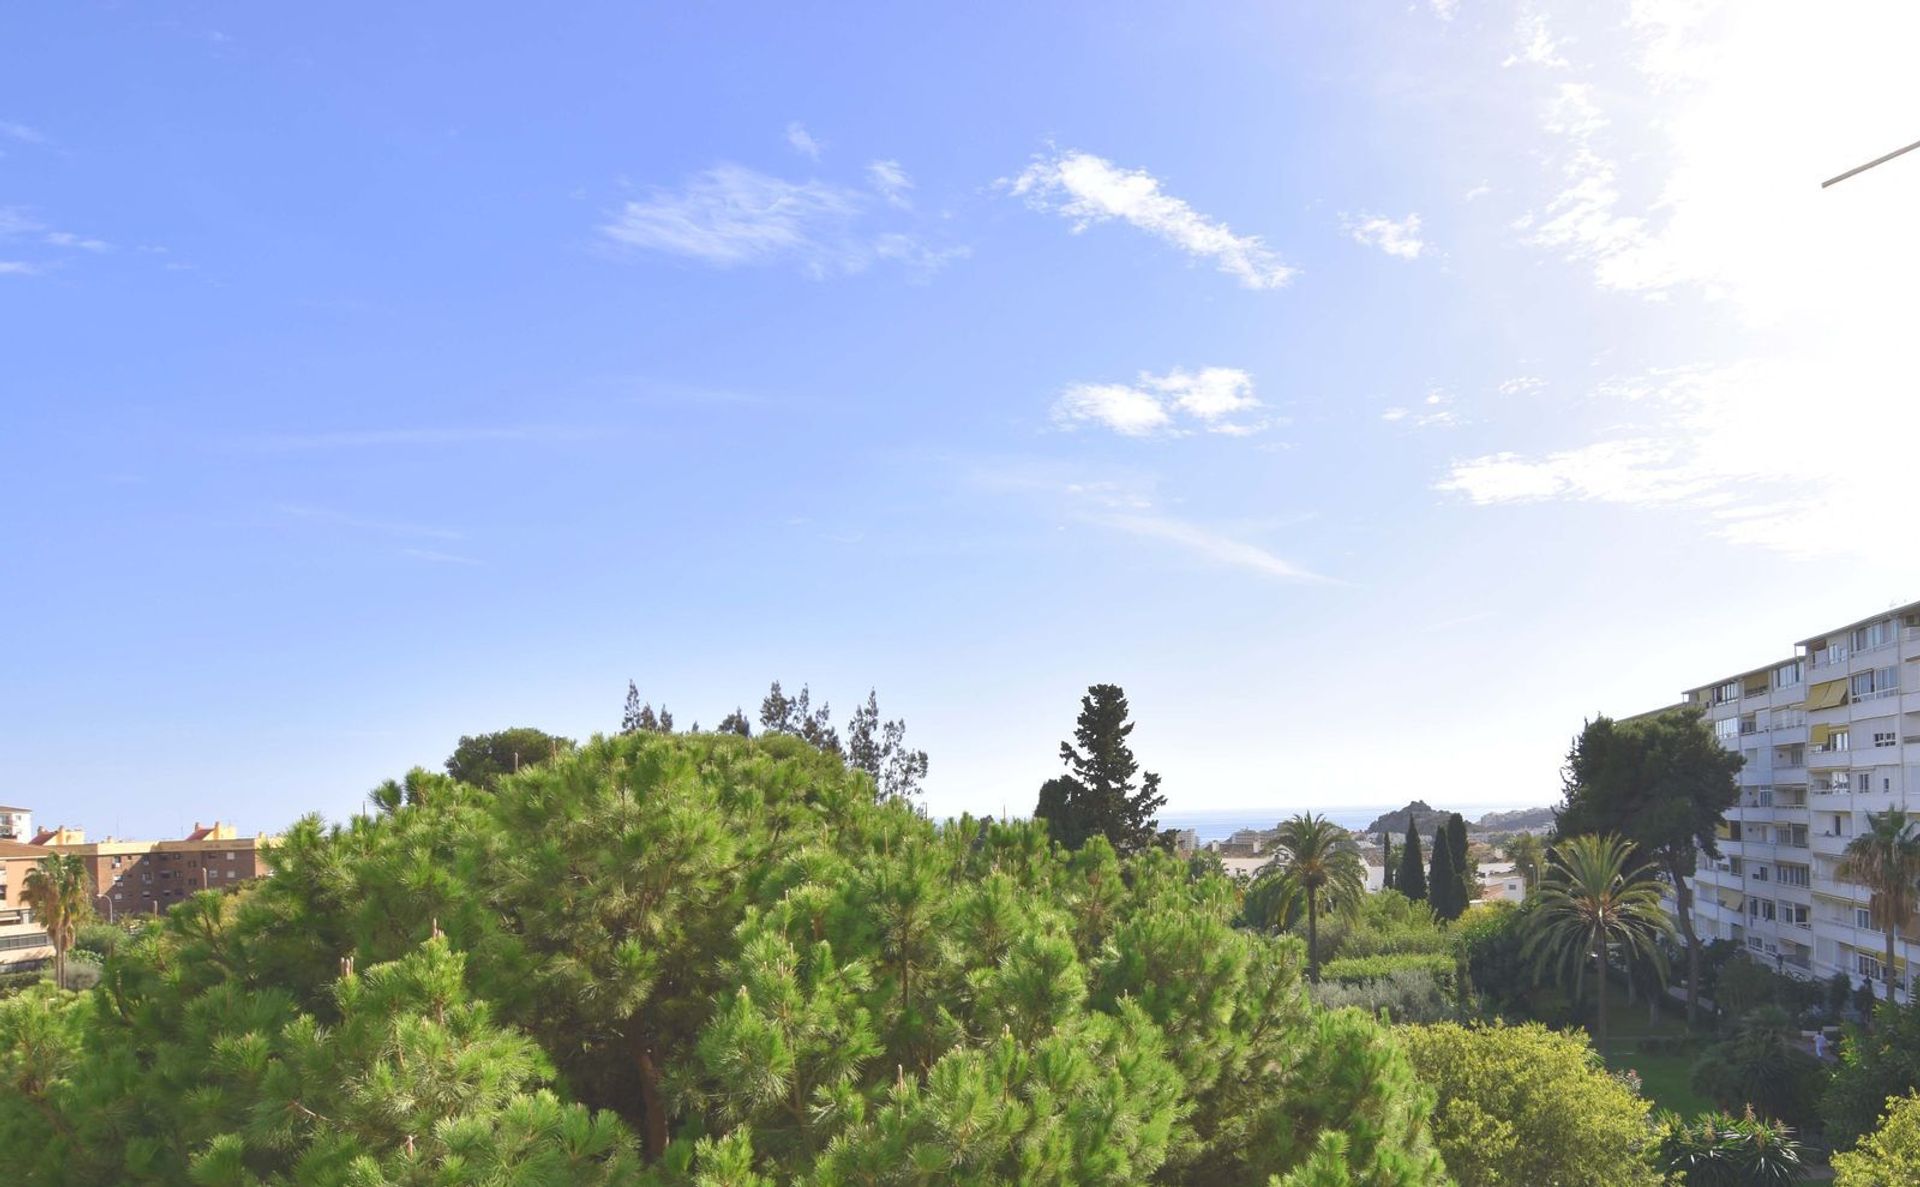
x=1590, y=900
x=59, y=895
x=1319, y=862
x=1886, y=860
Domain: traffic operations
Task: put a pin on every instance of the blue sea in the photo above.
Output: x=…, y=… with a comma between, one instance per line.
x=1217, y=824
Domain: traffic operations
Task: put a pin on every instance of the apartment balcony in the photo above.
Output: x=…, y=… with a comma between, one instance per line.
x=1830, y=844
x=1830, y=760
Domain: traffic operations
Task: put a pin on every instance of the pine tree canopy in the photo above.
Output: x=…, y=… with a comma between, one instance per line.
x=693, y=961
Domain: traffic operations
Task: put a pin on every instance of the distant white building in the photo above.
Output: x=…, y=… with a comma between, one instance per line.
x=16, y=824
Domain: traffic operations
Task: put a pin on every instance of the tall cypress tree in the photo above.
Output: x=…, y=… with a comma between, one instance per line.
x=1411, y=880
x=1443, y=881
x=1462, y=868
x=1386, y=860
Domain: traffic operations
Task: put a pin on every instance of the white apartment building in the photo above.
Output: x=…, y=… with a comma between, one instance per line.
x=1829, y=734
x=16, y=824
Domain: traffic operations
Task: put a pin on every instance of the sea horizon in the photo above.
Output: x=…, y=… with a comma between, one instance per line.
x=1217, y=824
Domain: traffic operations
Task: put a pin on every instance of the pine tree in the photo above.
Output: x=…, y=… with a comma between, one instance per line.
x=1412, y=877
x=1443, y=881
x=776, y=712
x=630, y=717
x=880, y=749
x=736, y=723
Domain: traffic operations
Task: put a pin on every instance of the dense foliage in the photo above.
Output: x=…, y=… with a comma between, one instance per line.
x=702, y=960
x=1664, y=783
x=1524, y=1106
x=1890, y=1155
x=1876, y=1063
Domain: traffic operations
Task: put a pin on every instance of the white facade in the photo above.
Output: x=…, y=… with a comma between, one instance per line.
x=1830, y=735
x=16, y=824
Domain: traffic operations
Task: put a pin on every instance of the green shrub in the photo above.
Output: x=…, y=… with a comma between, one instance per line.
x=1407, y=995
x=1441, y=966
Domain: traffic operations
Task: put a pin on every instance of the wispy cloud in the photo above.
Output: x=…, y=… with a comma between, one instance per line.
x=1400, y=238
x=18, y=226
x=1444, y=9
x=18, y=268
x=891, y=182
x=400, y=438
x=20, y=133
x=1176, y=402
x=1088, y=189
x=802, y=142
x=1521, y=385
x=436, y=557
x=331, y=518
x=1128, y=506
x=1435, y=410
x=1212, y=546
x=732, y=216
x=1536, y=44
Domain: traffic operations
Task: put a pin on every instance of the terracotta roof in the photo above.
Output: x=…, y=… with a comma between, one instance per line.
x=22, y=849
x=199, y=834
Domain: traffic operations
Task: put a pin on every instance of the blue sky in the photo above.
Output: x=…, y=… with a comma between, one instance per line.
x=1373, y=390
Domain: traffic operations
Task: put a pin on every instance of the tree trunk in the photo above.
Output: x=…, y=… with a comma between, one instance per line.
x=1683, y=895
x=1600, y=969
x=652, y=1099
x=1313, y=939
x=1886, y=970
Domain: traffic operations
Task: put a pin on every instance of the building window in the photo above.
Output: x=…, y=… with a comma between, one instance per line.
x=1760, y=908
x=1866, y=966
x=1748, y=725
x=1730, y=728
x=1863, y=918
x=1795, y=876
x=1787, y=675
x=1759, y=873
x=1878, y=635
x=1794, y=913
x=1885, y=738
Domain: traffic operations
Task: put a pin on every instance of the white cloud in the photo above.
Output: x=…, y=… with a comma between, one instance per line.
x=1777, y=426
x=1400, y=238
x=1089, y=189
x=83, y=242
x=1521, y=385
x=891, y=182
x=1477, y=192
x=18, y=268
x=1444, y=9
x=802, y=142
x=732, y=216
x=1151, y=406
x=1537, y=45
x=21, y=133
x=1126, y=410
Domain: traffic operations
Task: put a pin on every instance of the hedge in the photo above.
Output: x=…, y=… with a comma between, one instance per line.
x=1356, y=970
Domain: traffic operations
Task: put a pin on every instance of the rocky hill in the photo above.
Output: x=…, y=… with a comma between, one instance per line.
x=1520, y=819
x=1426, y=818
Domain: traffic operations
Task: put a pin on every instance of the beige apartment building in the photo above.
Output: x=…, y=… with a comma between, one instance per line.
x=1830, y=733
x=147, y=877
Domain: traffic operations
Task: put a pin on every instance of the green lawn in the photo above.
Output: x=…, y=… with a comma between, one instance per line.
x=1663, y=1079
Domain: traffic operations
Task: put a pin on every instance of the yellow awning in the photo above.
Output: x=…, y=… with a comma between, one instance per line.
x=1819, y=734
x=1830, y=695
